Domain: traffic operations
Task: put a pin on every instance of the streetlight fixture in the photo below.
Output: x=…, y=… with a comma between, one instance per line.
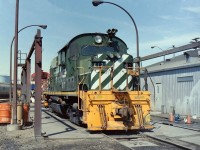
x=160, y=49
x=98, y=2
x=41, y=26
x=173, y=46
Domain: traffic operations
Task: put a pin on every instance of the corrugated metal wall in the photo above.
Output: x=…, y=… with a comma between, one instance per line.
x=183, y=96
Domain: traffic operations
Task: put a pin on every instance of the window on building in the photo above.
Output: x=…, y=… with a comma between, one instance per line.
x=185, y=79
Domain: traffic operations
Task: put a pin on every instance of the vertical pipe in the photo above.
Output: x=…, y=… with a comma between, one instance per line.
x=145, y=79
x=14, y=106
x=11, y=70
x=38, y=74
x=28, y=75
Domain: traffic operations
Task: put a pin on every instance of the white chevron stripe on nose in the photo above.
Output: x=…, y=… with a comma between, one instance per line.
x=106, y=74
x=123, y=85
x=121, y=73
x=103, y=76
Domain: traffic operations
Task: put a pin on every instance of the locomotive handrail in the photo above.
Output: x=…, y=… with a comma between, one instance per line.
x=133, y=71
x=100, y=72
x=79, y=88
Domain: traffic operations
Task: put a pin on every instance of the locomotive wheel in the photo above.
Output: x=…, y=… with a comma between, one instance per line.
x=50, y=108
x=75, y=115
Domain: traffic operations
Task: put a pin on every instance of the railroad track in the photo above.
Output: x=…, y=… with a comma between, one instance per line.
x=139, y=140
x=143, y=140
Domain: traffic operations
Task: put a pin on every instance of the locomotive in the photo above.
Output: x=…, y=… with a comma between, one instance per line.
x=93, y=81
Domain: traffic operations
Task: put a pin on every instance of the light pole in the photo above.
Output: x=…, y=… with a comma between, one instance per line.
x=41, y=26
x=14, y=125
x=137, y=60
x=173, y=46
x=98, y=2
x=160, y=49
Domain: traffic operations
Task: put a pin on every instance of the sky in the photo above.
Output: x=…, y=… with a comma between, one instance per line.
x=160, y=22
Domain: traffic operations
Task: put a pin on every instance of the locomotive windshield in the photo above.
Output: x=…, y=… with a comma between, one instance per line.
x=94, y=50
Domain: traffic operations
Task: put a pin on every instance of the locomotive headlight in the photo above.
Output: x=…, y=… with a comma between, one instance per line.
x=117, y=55
x=98, y=39
x=110, y=55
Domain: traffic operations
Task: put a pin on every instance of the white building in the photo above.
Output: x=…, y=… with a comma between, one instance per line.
x=176, y=84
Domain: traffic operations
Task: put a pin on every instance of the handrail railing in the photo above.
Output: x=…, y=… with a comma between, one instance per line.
x=133, y=71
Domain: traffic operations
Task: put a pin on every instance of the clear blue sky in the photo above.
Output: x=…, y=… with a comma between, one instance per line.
x=160, y=22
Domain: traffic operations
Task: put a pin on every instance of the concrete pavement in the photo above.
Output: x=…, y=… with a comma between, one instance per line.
x=177, y=131
x=171, y=132
x=56, y=127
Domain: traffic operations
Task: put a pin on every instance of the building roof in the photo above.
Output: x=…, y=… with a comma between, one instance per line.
x=187, y=59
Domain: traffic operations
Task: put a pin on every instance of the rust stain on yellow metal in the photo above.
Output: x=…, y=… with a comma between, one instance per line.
x=133, y=72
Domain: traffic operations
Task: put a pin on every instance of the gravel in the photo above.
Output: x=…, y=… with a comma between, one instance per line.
x=25, y=140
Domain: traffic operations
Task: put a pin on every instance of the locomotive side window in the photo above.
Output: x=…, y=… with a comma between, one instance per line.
x=73, y=51
x=61, y=58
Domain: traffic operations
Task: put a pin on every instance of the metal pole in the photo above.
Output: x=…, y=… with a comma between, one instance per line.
x=14, y=126
x=38, y=74
x=14, y=106
x=28, y=74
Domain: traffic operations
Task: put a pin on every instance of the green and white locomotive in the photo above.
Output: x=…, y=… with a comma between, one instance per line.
x=93, y=81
